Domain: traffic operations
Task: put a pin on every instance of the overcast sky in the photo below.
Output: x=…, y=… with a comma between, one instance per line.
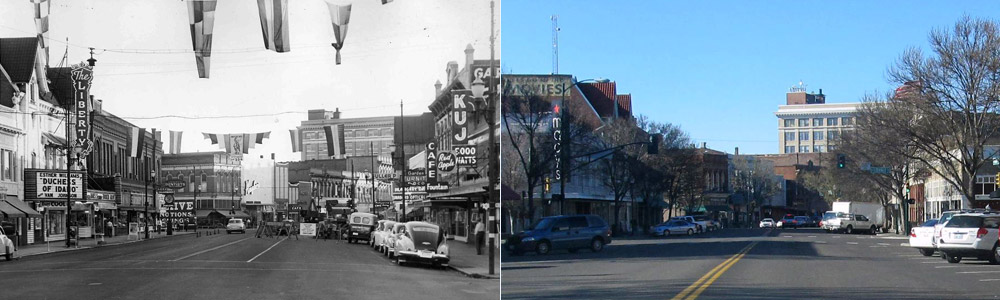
x=392, y=53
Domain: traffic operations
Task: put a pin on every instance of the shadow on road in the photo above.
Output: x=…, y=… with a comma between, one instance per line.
x=647, y=289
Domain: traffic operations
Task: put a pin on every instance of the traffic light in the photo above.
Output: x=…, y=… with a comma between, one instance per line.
x=841, y=161
x=998, y=179
x=350, y=203
x=654, y=144
x=548, y=184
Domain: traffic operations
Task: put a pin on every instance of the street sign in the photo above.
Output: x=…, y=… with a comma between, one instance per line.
x=175, y=184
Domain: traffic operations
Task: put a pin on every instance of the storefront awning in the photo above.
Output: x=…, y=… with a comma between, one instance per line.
x=106, y=206
x=23, y=207
x=9, y=211
x=52, y=139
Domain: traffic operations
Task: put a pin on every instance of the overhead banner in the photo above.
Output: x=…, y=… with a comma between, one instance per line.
x=274, y=24
x=340, y=16
x=82, y=74
x=201, y=13
x=461, y=106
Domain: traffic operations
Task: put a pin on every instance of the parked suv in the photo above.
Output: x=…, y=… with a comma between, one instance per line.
x=563, y=232
x=970, y=235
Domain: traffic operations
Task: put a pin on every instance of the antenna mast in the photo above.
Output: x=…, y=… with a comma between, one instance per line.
x=555, y=44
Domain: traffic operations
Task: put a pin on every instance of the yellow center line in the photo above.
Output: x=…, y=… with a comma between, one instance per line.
x=702, y=283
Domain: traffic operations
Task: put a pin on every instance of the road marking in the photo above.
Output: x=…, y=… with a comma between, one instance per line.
x=812, y=236
x=820, y=242
x=702, y=283
x=836, y=237
x=977, y=272
x=884, y=244
x=925, y=257
x=911, y=255
x=268, y=249
x=992, y=279
x=933, y=262
x=852, y=243
x=787, y=236
x=207, y=250
x=904, y=244
x=966, y=266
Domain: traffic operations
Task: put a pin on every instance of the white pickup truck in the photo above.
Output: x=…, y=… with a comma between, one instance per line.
x=850, y=223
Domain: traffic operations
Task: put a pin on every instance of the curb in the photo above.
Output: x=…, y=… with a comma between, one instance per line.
x=95, y=247
x=474, y=275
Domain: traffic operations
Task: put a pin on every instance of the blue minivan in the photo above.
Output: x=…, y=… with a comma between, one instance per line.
x=562, y=232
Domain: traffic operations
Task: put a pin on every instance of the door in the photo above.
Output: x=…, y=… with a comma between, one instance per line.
x=580, y=232
x=560, y=234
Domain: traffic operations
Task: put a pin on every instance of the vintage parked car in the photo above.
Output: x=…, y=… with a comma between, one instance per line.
x=382, y=231
x=9, y=250
x=390, y=239
x=421, y=242
x=562, y=232
x=361, y=226
x=678, y=226
x=236, y=225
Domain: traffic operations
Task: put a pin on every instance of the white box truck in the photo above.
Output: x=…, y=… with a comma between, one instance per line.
x=874, y=212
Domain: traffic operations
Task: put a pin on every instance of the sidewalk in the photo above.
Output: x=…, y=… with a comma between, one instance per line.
x=465, y=261
x=88, y=243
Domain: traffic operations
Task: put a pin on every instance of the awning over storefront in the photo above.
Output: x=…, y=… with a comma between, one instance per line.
x=52, y=139
x=23, y=207
x=203, y=213
x=453, y=202
x=106, y=206
x=9, y=211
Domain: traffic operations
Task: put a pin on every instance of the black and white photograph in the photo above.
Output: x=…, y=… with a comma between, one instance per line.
x=240, y=149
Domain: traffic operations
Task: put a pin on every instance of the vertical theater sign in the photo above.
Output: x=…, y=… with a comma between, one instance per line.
x=82, y=75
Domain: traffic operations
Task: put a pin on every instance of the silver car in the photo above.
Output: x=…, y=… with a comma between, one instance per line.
x=674, y=227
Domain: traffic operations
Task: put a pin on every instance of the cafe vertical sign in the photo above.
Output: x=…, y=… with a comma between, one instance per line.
x=82, y=75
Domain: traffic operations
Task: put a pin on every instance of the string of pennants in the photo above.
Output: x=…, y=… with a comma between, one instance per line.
x=237, y=143
x=273, y=24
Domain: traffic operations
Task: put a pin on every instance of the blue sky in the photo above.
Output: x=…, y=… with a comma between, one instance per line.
x=719, y=69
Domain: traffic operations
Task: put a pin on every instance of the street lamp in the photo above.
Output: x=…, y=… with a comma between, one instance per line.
x=152, y=176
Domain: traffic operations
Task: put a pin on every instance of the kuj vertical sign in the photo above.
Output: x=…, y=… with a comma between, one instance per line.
x=461, y=106
x=82, y=74
x=432, y=163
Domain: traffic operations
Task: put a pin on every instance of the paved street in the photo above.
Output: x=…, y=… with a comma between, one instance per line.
x=236, y=266
x=776, y=264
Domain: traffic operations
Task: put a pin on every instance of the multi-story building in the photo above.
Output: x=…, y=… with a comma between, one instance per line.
x=335, y=179
x=594, y=104
x=807, y=124
x=213, y=183
x=265, y=184
x=362, y=136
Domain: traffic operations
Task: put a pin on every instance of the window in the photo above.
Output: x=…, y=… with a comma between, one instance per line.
x=803, y=136
x=348, y=133
x=818, y=149
x=372, y=132
x=833, y=134
x=789, y=136
x=803, y=122
x=789, y=122
x=804, y=149
x=578, y=222
x=817, y=121
x=818, y=135
x=310, y=135
x=847, y=121
x=831, y=121
x=361, y=133
x=832, y=148
x=789, y=149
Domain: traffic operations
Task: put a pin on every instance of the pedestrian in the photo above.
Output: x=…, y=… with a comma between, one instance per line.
x=480, y=236
x=109, y=229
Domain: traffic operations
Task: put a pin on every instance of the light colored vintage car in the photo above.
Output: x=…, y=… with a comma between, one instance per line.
x=421, y=242
x=6, y=244
x=390, y=239
x=382, y=231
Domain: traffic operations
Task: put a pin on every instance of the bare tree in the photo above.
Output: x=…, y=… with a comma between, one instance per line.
x=952, y=111
x=755, y=179
x=617, y=168
x=658, y=174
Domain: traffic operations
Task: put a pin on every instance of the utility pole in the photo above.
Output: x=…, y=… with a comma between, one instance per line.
x=494, y=155
x=402, y=160
x=371, y=148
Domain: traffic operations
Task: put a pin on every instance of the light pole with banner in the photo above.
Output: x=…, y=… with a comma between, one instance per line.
x=489, y=107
